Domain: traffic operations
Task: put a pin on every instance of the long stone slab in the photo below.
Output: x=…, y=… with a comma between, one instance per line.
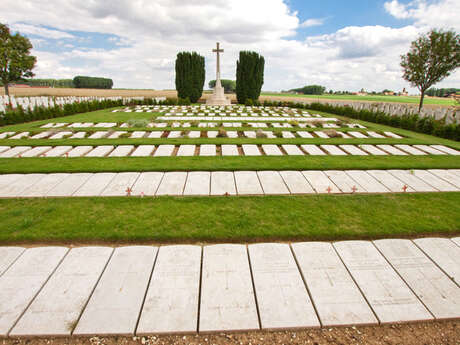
x=222, y=183
x=446, y=149
x=272, y=182
x=345, y=183
x=95, y=184
x=119, y=185
x=198, y=183
x=388, y=180
x=23, y=280
x=78, y=151
x=444, y=252
x=282, y=298
x=58, y=151
x=186, y=150
x=439, y=293
x=207, y=150
x=247, y=182
x=353, y=150
x=147, y=183
x=69, y=185
x=116, y=303
x=250, y=150
x=429, y=149
x=171, y=302
x=272, y=150
x=143, y=151
x=435, y=181
x=447, y=175
x=392, y=150
x=56, y=309
x=100, y=151
x=410, y=149
x=413, y=181
x=19, y=185
x=227, y=296
x=320, y=182
x=313, y=150
x=456, y=240
x=373, y=150
x=8, y=255
x=296, y=182
x=333, y=150
x=36, y=151
x=229, y=150
x=293, y=150
x=367, y=181
x=385, y=291
x=164, y=151
x=14, y=151
x=172, y=183
x=337, y=299
x=122, y=151
x=44, y=185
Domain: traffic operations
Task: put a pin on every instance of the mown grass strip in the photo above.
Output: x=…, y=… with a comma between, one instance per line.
x=232, y=219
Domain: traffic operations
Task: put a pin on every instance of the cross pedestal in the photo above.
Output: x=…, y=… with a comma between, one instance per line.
x=218, y=96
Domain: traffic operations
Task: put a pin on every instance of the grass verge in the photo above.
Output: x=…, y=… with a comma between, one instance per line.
x=232, y=219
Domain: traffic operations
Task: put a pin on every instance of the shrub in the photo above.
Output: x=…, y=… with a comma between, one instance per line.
x=332, y=133
x=137, y=123
x=222, y=133
x=260, y=134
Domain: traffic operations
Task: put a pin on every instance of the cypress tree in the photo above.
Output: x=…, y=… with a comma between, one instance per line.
x=190, y=75
x=249, y=76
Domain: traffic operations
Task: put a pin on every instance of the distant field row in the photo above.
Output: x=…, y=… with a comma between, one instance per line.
x=264, y=95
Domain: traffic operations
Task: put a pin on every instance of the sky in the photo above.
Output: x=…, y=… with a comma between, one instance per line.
x=342, y=45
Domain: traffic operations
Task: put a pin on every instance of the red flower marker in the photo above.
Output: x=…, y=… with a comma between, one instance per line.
x=354, y=189
x=128, y=191
x=329, y=189
x=404, y=188
x=67, y=154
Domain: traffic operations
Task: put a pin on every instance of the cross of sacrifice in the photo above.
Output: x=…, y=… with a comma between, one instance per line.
x=217, y=51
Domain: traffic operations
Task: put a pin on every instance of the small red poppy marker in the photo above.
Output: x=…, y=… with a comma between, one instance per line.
x=128, y=191
x=404, y=188
x=354, y=189
x=329, y=189
x=67, y=155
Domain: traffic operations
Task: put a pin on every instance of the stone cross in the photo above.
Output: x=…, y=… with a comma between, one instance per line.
x=217, y=51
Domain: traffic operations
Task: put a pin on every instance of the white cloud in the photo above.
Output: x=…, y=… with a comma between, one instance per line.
x=39, y=31
x=147, y=35
x=312, y=22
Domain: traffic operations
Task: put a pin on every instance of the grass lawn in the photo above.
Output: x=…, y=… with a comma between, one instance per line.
x=222, y=219
x=371, y=98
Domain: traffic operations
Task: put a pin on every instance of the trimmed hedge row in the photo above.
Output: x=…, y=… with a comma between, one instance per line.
x=413, y=122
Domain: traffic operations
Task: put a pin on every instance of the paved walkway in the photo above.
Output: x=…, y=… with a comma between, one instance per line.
x=57, y=291
x=215, y=183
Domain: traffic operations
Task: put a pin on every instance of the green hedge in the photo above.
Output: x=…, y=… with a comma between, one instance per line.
x=413, y=122
x=83, y=82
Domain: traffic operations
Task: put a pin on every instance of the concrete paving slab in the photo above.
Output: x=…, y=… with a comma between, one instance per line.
x=58, y=151
x=321, y=134
x=79, y=151
x=207, y=150
x=23, y=280
x=95, y=184
x=272, y=182
x=222, y=183
x=373, y=150
x=250, y=134
x=186, y=150
x=439, y=293
x=61, y=135
x=353, y=150
x=388, y=180
x=229, y=150
x=282, y=298
x=19, y=185
x=392, y=150
x=194, y=134
x=357, y=135
x=69, y=185
x=366, y=181
x=7, y=179
x=232, y=134
x=116, y=302
x=333, y=150
x=287, y=135
x=337, y=299
x=410, y=149
x=387, y=294
x=36, y=151
x=172, y=183
x=313, y=150
x=435, y=181
x=247, y=182
x=344, y=182
x=122, y=151
x=164, y=151
x=392, y=135
x=44, y=185
x=212, y=134
x=413, y=181
x=155, y=134
x=147, y=183
x=447, y=175
x=250, y=150
x=320, y=182
x=8, y=255
x=445, y=254
x=143, y=151
x=375, y=135
x=456, y=240
x=116, y=134
x=430, y=150
x=98, y=135
x=78, y=135
x=41, y=135
x=293, y=150
x=171, y=303
x=227, y=296
x=446, y=149
x=13, y=152
x=296, y=182
x=272, y=150
x=198, y=183
x=137, y=134
x=20, y=135
x=56, y=309
x=100, y=151
x=119, y=185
